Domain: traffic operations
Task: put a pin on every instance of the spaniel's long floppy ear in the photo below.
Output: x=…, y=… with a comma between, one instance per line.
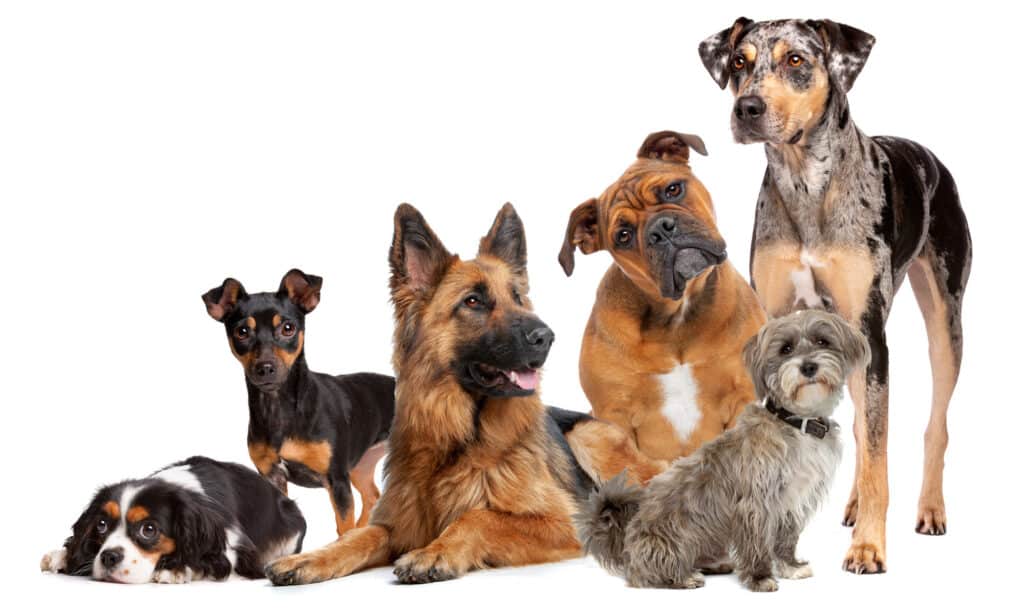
x=716, y=50
x=581, y=232
x=220, y=301
x=199, y=536
x=418, y=258
x=846, y=50
x=507, y=239
x=753, y=358
x=82, y=547
x=671, y=146
x=301, y=289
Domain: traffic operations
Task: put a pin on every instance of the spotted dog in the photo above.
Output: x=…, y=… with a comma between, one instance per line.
x=842, y=219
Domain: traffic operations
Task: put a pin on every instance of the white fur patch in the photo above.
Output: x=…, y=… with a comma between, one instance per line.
x=679, y=391
x=54, y=561
x=803, y=281
x=178, y=576
x=180, y=475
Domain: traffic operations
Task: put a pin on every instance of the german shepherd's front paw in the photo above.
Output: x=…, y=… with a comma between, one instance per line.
x=931, y=519
x=426, y=565
x=864, y=558
x=306, y=568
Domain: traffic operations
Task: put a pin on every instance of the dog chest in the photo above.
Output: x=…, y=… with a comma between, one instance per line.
x=679, y=390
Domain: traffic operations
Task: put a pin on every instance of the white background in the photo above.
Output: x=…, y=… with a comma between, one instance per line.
x=148, y=150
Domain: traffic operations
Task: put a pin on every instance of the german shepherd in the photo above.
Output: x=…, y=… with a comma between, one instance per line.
x=480, y=473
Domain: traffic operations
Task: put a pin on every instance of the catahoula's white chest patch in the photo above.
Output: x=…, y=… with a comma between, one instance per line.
x=679, y=391
x=803, y=281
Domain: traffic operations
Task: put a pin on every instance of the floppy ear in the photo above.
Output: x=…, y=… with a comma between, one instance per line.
x=301, y=289
x=222, y=299
x=199, y=537
x=81, y=548
x=752, y=360
x=507, y=239
x=418, y=259
x=716, y=50
x=855, y=345
x=671, y=146
x=846, y=50
x=581, y=232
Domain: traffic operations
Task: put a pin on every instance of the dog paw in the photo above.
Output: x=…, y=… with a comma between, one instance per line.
x=297, y=569
x=717, y=569
x=425, y=565
x=864, y=559
x=174, y=576
x=795, y=571
x=54, y=561
x=763, y=585
x=931, y=519
x=850, y=513
x=694, y=580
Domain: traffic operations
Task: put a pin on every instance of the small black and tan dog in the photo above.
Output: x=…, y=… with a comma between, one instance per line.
x=308, y=428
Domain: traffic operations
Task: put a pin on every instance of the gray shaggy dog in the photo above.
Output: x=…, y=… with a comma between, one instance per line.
x=745, y=497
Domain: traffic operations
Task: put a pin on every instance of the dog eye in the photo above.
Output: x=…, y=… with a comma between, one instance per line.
x=623, y=237
x=242, y=333
x=147, y=530
x=102, y=526
x=822, y=342
x=288, y=328
x=472, y=301
x=786, y=349
x=739, y=62
x=795, y=60
x=674, y=191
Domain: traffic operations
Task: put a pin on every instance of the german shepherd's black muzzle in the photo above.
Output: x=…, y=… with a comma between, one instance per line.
x=504, y=361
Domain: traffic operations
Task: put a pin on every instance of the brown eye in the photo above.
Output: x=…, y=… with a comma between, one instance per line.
x=147, y=531
x=822, y=343
x=102, y=526
x=623, y=237
x=288, y=329
x=795, y=60
x=472, y=301
x=739, y=62
x=242, y=333
x=786, y=349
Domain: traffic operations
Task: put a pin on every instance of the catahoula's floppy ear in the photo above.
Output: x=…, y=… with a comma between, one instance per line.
x=846, y=50
x=716, y=50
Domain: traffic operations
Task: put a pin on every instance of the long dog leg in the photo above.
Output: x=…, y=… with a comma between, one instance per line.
x=354, y=551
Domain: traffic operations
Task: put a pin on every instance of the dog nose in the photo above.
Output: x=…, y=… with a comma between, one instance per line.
x=541, y=337
x=264, y=369
x=110, y=558
x=661, y=230
x=808, y=369
x=749, y=107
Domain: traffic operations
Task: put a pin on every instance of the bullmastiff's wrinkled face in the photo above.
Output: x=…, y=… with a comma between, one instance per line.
x=657, y=220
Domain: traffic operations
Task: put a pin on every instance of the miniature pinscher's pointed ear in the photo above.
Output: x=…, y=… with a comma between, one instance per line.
x=716, y=50
x=846, y=50
x=507, y=239
x=581, y=232
x=220, y=301
x=418, y=258
x=301, y=289
x=671, y=146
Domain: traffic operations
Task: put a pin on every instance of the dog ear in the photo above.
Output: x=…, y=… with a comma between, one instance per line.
x=752, y=361
x=199, y=533
x=417, y=258
x=716, y=50
x=82, y=547
x=220, y=301
x=301, y=289
x=581, y=232
x=671, y=146
x=507, y=239
x=846, y=50
x=855, y=344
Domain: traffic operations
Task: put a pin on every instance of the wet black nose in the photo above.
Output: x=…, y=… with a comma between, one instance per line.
x=661, y=230
x=540, y=338
x=808, y=369
x=110, y=558
x=749, y=107
x=264, y=369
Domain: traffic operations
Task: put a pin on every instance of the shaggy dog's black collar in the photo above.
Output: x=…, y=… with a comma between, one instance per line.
x=818, y=427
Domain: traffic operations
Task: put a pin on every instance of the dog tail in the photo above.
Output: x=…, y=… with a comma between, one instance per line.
x=602, y=521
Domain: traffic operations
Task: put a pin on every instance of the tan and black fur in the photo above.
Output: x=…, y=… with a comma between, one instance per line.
x=661, y=351
x=479, y=473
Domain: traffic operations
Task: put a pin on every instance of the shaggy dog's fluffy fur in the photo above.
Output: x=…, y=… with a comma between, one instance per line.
x=747, y=495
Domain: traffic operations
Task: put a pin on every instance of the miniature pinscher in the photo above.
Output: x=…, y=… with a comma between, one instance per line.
x=309, y=428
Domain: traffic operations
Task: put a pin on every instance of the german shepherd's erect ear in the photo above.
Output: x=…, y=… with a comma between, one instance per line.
x=418, y=258
x=506, y=240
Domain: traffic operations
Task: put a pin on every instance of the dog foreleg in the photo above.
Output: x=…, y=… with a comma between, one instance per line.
x=604, y=450
x=487, y=538
x=870, y=394
x=787, y=565
x=354, y=551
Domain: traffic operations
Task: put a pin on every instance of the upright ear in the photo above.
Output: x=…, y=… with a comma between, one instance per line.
x=507, y=239
x=417, y=258
x=301, y=289
x=222, y=299
x=581, y=232
x=846, y=50
x=752, y=356
x=716, y=50
x=671, y=146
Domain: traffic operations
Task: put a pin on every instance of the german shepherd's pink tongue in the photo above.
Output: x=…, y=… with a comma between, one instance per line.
x=527, y=380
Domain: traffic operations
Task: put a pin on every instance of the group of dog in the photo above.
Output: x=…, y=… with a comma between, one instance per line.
x=710, y=443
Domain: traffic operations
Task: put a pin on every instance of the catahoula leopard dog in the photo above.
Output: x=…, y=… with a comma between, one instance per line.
x=662, y=351
x=842, y=219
